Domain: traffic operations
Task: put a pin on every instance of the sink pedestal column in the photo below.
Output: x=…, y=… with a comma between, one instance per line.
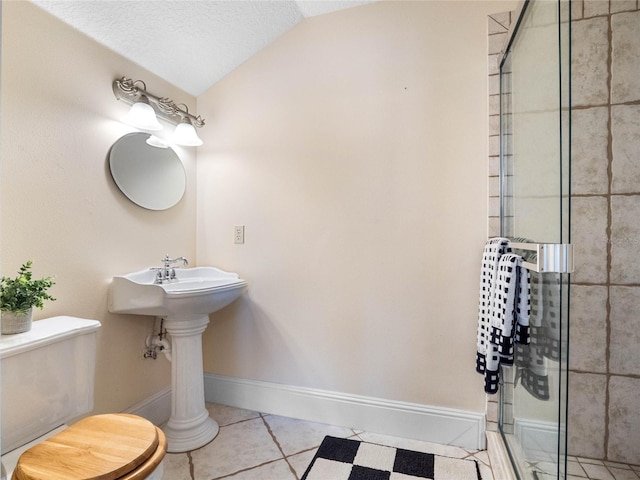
x=189, y=426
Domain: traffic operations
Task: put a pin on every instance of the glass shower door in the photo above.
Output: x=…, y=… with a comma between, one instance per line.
x=535, y=171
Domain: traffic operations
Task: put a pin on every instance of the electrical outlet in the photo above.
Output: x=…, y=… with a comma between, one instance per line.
x=238, y=234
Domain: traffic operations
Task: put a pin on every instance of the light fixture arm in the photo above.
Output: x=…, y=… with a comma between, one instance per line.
x=130, y=91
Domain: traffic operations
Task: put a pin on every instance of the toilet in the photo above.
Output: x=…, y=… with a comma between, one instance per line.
x=47, y=380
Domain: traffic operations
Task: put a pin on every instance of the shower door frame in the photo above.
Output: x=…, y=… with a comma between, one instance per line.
x=564, y=146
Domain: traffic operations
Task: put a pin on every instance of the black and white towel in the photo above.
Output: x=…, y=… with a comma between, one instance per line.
x=552, y=315
x=531, y=360
x=510, y=307
x=493, y=250
x=503, y=316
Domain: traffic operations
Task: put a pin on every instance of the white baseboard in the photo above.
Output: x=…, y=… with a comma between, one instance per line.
x=401, y=419
x=539, y=439
x=156, y=408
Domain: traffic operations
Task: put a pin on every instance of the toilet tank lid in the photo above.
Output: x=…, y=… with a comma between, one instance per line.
x=43, y=332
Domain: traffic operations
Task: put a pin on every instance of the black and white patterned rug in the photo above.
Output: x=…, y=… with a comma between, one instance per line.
x=347, y=459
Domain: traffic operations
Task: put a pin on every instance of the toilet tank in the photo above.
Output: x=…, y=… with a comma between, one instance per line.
x=46, y=377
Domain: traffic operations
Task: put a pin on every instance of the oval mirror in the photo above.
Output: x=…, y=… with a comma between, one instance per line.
x=151, y=177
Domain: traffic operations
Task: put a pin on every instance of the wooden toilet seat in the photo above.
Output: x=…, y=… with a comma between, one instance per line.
x=101, y=447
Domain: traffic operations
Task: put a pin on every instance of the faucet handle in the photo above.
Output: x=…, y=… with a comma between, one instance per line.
x=159, y=278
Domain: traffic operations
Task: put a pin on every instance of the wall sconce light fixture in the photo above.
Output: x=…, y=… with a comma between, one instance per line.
x=146, y=107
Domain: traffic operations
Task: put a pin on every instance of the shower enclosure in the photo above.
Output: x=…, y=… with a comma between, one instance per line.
x=535, y=124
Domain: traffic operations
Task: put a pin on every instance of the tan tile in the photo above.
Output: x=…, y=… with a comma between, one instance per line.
x=301, y=461
x=586, y=417
x=597, y=472
x=482, y=457
x=624, y=421
x=486, y=473
x=589, y=157
x=493, y=227
x=495, y=27
x=497, y=43
x=625, y=133
x=278, y=470
x=547, y=467
x=294, y=435
x=506, y=81
x=492, y=411
x=494, y=84
x=494, y=124
x=589, y=239
x=492, y=426
x=494, y=105
x=493, y=63
x=237, y=447
x=625, y=61
x=589, y=50
x=593, y=8
x=624, y=466
x=503, y=19
x=225, y=415
x=625, y=335
x=494, y=151
x=494, y=206
x=623, y=473
x=625, y=238
x=176, y=467
x=494, y=186
x=577, y=7
x=588, y=328
x=574, y=468
x=622, y=5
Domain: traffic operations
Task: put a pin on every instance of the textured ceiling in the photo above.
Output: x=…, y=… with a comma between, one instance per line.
x=190, y=43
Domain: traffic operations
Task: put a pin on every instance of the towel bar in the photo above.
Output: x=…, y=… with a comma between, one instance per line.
x=550, y=257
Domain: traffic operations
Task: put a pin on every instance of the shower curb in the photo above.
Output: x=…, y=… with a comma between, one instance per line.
x=499, y=458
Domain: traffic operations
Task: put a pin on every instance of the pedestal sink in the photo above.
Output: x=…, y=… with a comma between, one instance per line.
x=185, y=304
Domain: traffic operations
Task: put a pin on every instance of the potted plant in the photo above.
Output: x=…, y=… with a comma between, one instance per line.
x=18, y=296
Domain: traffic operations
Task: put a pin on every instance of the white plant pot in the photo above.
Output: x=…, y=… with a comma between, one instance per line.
x=15, y=322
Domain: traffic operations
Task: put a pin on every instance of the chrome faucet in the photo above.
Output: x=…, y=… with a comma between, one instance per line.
x=167, y=272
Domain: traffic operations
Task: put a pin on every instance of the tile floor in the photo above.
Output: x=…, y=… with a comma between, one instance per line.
x=581, y=468
x=256, y=446
x=586, y=468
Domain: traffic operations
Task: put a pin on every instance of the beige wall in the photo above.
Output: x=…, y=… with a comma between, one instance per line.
x=353, y=149
x=60, y=207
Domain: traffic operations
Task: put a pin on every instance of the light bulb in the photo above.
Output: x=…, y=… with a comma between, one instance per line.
x=142, y=116
x=185, y=134
x=156, y=142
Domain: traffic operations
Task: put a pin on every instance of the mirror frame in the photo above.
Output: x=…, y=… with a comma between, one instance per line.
x=151, y=177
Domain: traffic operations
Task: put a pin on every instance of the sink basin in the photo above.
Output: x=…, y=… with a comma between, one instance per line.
x=197, y=291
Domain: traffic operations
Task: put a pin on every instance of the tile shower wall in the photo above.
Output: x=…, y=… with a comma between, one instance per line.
x=498, y=27
x=604, y=380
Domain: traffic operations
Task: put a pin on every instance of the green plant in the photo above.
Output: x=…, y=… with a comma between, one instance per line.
x=22, y=293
